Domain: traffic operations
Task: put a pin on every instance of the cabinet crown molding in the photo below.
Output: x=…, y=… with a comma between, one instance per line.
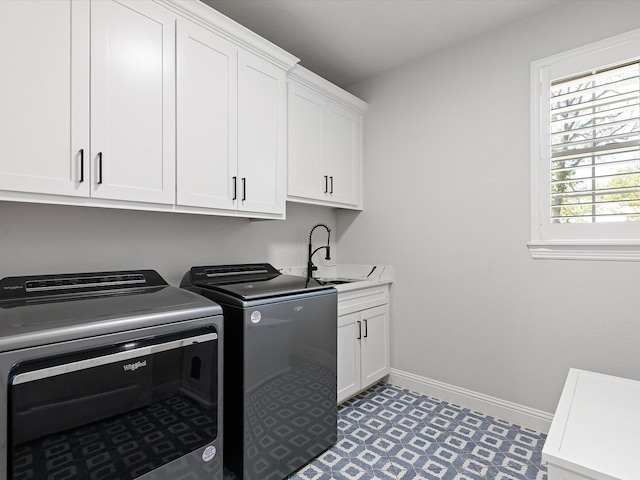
x=206, y=16
x=309, y=79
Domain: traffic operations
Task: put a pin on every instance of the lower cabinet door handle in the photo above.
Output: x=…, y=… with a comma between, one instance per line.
x=331, y=189
x=244, y=188
x=366, y=329
x=359, y=330
x=326, y=184
x=235, y=188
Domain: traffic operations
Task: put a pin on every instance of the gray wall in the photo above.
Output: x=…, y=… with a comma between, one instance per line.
x=42, y=239
x=447, y=185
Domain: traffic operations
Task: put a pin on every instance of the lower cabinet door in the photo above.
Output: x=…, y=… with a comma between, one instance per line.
x=349, y=329
x=374, y=345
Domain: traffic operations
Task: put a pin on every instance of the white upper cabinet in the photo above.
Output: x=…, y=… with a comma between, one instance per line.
x=47, y=146
x=132, y=101
x=231, y=124
x=324, y=142
x=166, y=105
x=44, y=97
x=207, y=83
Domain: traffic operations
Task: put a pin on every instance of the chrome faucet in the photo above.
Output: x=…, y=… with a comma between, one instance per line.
x=310, y=266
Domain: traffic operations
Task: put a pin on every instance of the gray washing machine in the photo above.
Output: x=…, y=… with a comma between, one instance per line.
x=109, y=375
x=280, y=366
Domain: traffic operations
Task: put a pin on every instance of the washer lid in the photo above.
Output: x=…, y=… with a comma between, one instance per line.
x=252, y=281
x=44, y=309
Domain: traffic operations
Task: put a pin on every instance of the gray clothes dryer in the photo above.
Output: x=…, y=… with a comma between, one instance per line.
x=280, y=367
x=109, y=375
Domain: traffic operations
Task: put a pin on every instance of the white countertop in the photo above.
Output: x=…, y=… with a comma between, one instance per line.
x=365, y=276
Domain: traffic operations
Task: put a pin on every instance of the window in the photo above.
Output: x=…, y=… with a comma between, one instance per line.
x=586, y=152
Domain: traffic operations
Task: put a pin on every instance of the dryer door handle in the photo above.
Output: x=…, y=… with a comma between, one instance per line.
x=122, y=356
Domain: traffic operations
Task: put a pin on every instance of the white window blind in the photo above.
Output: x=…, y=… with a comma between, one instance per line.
x=595, y=146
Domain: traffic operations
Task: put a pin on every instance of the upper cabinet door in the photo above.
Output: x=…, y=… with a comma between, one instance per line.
x=207, y=80
x=308, y=176
x=262, y=140
x=343, y=154
x=44, y=97
x=132, y=101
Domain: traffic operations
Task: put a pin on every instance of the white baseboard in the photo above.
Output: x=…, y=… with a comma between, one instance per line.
x=502, y=409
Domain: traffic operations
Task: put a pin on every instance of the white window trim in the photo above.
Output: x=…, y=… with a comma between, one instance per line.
x=619, y=242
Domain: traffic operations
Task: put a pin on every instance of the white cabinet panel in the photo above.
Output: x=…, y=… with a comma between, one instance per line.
x=44, y=96
x=375, y=344
x=307, y=178
x=261, y=135
x=133, y=101
x=348, y=356
x=343, y=152
x=206, y=118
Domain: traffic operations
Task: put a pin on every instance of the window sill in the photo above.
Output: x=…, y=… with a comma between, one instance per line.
x=628, y=251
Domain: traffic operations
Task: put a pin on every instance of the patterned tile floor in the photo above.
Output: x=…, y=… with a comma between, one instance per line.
x=394, y=434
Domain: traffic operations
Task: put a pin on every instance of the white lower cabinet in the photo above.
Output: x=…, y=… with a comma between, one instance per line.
x=363, y=339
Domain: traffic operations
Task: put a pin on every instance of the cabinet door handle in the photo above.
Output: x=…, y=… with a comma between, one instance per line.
x=235, y=188
x=99, y=168
x=81, y=166
x=326, y=184
x=359, y=330
x=366, y=329
x=244, y=188
x=331, y=190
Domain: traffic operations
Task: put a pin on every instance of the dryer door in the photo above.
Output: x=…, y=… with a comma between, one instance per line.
x=114, y=413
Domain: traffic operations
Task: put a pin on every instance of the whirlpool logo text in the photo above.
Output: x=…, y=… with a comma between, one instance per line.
x=132, y=367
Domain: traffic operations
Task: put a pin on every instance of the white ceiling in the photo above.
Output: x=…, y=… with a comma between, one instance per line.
x=346, y=41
